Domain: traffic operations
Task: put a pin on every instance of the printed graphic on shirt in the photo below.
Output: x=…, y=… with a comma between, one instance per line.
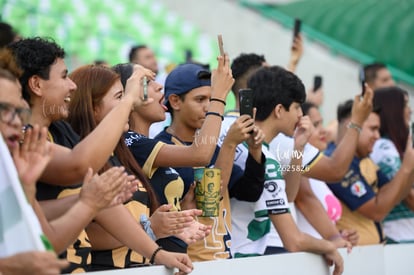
x=253, y=230
x=217, y=244
x=358, y=189
x=166, y=182
x=333, y=207
x=77, y=254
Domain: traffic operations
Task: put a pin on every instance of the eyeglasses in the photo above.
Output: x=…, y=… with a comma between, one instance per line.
x=8, y=112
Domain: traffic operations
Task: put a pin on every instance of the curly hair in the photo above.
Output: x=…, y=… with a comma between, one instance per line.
x=272, y=86
x=35, y=56
x=242, y=68
x=244, y=62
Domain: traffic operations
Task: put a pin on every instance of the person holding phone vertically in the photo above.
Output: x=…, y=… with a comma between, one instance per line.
x=267, y=226
x=318, y=165
x=375, y=75
x=316, y=94
x=296, y=51
x=367, y=195
x=158, y=158
x=192, y=99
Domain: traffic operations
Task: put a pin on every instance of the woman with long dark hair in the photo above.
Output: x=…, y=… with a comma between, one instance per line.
x=388, y=153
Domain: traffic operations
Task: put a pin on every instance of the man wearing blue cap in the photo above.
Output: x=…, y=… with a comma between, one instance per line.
x=188, y=93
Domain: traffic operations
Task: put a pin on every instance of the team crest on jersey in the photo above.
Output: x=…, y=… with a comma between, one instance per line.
x=272, y=170
x=358, y=189
x=272, y=187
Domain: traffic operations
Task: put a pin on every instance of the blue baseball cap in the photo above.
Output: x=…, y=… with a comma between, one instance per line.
x=185, y=78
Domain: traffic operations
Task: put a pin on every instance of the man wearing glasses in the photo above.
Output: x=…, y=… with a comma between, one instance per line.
x=10, y=108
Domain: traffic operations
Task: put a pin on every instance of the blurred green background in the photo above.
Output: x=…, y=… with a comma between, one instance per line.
x=364, y=30
x=96, y=29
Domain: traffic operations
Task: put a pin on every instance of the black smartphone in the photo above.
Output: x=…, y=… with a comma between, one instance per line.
x=188, y=56
x=362, y=79
x=246, y=102
x=296, y=28
x=363, y=88
x=317, y=82
x=220, y=44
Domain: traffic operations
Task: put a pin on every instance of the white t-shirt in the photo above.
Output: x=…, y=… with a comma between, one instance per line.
x=328, y=200
x=158, y=127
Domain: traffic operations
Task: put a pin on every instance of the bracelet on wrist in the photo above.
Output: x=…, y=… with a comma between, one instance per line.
x=215, y=114
x=218, y=100
x=355, y=126
x=152, y=259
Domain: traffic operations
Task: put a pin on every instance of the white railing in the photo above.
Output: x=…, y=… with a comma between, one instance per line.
x=363, y=260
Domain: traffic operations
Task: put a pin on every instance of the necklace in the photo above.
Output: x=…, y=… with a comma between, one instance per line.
x=176, y=138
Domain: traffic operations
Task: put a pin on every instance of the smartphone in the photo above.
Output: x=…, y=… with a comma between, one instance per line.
x=296, y=28
x=188, y=56
x=412, y=131
x=317, y=82
x=362, y=79
x=145, y=86
x=363, y=88
x=220, y=44
x=246, y=102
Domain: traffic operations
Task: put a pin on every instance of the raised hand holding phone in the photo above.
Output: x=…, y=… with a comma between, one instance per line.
x=296, y=28
x=363, y=88
x=136, y=80
x=296, y=50
x=362, y=79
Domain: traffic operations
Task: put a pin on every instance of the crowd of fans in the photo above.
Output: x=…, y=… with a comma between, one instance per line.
x=108, y=192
